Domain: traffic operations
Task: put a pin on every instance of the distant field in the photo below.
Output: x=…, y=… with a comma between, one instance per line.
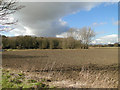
x=106, y=47
x=69, y=62
x=39, y=58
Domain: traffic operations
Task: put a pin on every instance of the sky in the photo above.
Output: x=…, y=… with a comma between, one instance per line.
x=103, y=19
x=54, y=19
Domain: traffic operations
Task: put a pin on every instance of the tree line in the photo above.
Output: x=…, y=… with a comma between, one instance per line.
x=75, y=39
x=106, y=45
x=29, y=42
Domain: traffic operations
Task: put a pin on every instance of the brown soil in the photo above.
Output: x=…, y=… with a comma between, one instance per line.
x=67, y=68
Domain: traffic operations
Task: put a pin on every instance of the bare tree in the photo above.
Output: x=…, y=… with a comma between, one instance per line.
x=85, y=35
x=71, y=32
x=70, y=41
x=8, y=7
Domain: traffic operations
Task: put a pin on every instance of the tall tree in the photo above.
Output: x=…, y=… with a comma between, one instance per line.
x=85, y=35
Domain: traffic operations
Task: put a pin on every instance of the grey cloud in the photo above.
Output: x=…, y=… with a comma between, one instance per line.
x=43, y=19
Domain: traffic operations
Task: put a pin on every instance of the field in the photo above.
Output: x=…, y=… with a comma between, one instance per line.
x=90, y=68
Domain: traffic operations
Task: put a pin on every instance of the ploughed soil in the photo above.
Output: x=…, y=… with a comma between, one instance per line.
x=92, y=68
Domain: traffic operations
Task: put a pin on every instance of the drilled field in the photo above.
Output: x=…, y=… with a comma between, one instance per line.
x=92, y=67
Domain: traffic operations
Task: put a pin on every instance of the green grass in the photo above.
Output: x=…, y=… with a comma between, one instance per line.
x=13, y=80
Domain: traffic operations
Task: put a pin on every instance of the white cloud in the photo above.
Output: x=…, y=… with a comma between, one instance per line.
x=63, y=35
x=98, y=24
x=108, y=39
x=45, y=19
x=62, y=22
x=21, y=31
